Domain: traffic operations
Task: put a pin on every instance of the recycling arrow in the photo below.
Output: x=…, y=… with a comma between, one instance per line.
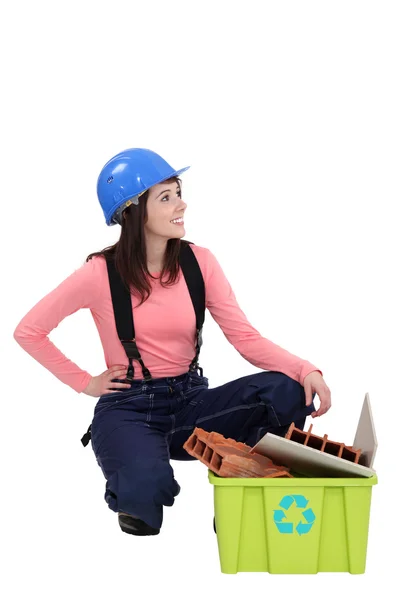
x=309, y=515
x=286, y=502
x=303, y=528
x=301, y=502
x=279, y=515
x=285, y=527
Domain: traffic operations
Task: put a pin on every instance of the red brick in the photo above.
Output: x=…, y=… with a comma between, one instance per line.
x=306, y=438
x=228, y=458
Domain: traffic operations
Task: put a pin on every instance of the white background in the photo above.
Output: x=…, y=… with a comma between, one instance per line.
x=288, y=113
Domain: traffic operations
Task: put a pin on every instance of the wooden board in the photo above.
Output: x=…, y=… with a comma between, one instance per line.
x=365, y=437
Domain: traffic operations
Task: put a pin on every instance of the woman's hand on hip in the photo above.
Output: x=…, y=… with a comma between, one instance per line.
x=103, y=384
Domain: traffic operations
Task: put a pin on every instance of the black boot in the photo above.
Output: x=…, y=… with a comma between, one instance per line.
x=135, y=526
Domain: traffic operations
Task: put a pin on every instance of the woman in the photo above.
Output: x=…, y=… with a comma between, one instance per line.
x=148, y=407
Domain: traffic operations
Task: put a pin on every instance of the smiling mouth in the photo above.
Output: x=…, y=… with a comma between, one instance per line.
x=177, y=221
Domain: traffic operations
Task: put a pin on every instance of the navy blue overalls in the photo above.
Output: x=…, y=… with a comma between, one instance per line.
x=137, y=431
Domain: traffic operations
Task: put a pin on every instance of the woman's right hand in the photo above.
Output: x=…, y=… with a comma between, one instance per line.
x=101, y=384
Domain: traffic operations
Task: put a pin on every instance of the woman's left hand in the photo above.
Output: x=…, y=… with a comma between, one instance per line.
x=314, y=382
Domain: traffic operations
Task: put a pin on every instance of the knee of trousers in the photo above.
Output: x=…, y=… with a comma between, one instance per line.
x=142, y=482
x=282, y=397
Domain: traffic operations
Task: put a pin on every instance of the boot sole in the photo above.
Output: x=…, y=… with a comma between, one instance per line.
x=140, y=530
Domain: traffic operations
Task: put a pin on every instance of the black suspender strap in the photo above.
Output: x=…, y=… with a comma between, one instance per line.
x=195, y=282
x=123, y=315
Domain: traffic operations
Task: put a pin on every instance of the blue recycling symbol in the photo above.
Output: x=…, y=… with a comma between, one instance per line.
x=280, y=515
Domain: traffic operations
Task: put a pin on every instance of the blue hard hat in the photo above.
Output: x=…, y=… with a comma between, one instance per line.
x=127, y=176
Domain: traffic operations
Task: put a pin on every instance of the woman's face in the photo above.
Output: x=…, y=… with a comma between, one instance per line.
x=165, y=205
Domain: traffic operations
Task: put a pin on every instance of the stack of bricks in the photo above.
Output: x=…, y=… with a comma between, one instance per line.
x=227, y=458
x=306, y=438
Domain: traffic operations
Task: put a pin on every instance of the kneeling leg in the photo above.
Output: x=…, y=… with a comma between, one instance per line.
x=140, y=480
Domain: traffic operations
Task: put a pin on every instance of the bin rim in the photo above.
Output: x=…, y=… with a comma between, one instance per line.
x=291, y=481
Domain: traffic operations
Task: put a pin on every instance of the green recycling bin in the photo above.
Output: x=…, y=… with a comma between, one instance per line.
x=292, y=525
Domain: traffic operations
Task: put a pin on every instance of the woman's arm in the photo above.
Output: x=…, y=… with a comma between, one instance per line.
x=77, y=291
x=256, y=349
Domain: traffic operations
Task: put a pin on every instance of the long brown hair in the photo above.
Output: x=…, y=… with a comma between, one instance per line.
x=129, y=253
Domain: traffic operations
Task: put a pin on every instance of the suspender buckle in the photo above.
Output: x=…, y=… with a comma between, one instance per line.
x=196, y=367
x=131, y=349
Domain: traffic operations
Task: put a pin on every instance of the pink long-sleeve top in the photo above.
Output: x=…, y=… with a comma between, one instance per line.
x=166, y=344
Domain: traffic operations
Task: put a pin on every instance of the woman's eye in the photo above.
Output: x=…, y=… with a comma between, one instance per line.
x=179, y=193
